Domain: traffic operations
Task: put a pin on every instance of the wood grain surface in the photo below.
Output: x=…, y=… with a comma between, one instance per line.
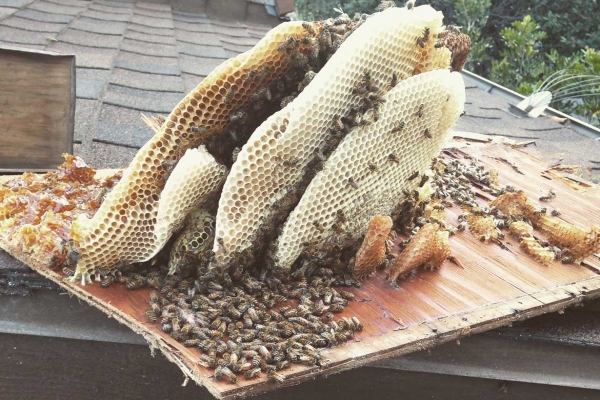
x=492, y=287
x=37, y=109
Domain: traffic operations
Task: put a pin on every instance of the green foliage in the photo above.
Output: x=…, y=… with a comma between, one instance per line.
x=516, y=43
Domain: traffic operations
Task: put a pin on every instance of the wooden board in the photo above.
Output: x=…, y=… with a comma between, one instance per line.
x=37, y=109
x=492, y=288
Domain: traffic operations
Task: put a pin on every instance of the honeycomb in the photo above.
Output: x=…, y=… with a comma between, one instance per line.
x=578, y=242
x=482, y=227
x=373, y=249
x=429, y=247
x=135, y=221
x=348, y=186
x=280, y=157
x=524, y=233
x=202, y=117
x=193, y=241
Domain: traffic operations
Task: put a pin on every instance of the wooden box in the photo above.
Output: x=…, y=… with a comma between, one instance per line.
x=37, y=109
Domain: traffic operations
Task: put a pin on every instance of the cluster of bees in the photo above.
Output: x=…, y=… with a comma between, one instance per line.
x=247, y=324
x=453, y=184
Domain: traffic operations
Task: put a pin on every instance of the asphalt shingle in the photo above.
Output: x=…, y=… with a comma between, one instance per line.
x=191, y=81
x=96, y=26
x=198, y=65
x=147, y=38
x=151, y=49
x=235, y=48
x=232, y=31
x=6, y=11
x=54, y=8
x=153, y=6
x=103, y=155
x=142, y=100
x=119, y=4
x=15, y=3
x=23, y=45
x=109, y=9
x=193, y=27
x=90, y=82
x=148, y=64
x=191, y=18
x=238, y=41
x=200, y=50
x=105, y=16
x=89, y=39
x=87, y=57
x=152, y=13
x=71, y=3
x=35, y=26
x=143, y=81
x=210, y=39
x=16, y=35
x=151, y=30
x=86, y=113
x=122, y=126
x=165, y=23
x=40, y=16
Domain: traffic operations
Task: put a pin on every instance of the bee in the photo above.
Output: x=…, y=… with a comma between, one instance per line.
x=427, y=133
x=567, y=260
x=393, y=158
x=230, y=94
x=252, y=74
x=252, y=373
x=352, y=183
x=555, y=213
x=68, y=272
x=424, y=179
x=546, y=198
x=151, y=315
x=541, y=211
x=420, y=110
x=274, y=376
x=398, y=126
x=336, y=308
x=393, y=81
x=309, y=28
x=414, y=175
x=197, y=129
x=287, y=100
x=461, y=226
x=101, y=195
x=439, y=44
x=222, y=245
x=372, y=167
x=410, y=4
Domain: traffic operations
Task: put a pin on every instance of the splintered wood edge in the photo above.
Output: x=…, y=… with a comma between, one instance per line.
x=395, y=343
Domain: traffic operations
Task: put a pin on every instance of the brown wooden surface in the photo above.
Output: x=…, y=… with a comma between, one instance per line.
x=492, y=288
x=37, y=109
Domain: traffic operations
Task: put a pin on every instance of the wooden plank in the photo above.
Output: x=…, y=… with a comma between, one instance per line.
x=491, y=288
x=37, y=109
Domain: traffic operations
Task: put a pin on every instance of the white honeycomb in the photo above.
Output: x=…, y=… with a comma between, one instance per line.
x=109, y=239
x=138, y=221
x=273, y=161
x=442, y=95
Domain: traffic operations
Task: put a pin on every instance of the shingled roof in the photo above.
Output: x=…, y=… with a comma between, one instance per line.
x=136, y=57
x=132, y=57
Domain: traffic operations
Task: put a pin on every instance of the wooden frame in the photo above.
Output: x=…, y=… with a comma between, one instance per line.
x=37, y=109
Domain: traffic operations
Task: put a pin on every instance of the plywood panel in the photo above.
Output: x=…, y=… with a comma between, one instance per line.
x=37, y=109
x=491, y=287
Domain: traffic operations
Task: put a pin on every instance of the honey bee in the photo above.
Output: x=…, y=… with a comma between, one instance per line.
x=424, y=179
x=252, y=373
x=398, y=126
x=567, y=260
x=352, y=183
x=393, y=158
x=393, y=81
x=414, y=175
x=439, y=44
x=427, y=133
x=555, y=213
x=546, y=198
x=275, y=376
x=230, y=94
x=410, y=4
x=309, y=28
x=372, y=167
x=222, y=245
x=420, y=110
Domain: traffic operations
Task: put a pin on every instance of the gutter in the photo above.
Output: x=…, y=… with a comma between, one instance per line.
x=514, y=98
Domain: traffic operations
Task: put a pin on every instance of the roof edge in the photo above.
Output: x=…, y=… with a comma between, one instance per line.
x=514, y=98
